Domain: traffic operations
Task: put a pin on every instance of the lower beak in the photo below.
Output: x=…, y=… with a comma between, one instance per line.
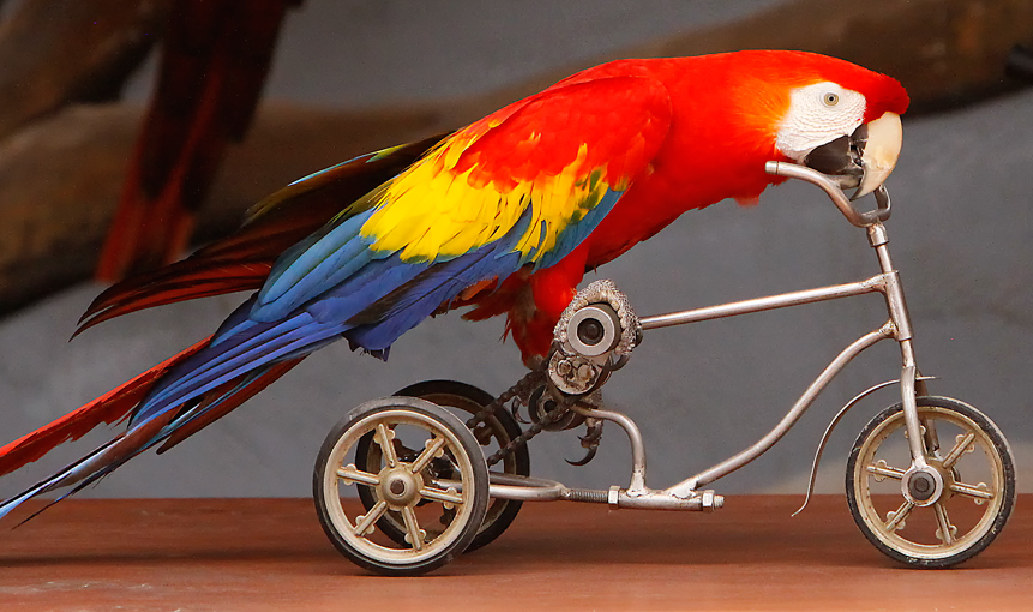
x=863, y=159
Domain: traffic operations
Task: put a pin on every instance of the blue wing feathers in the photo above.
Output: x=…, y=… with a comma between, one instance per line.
x=308, y=269
x=372, y=307
x=439, y=284
x=334, y=284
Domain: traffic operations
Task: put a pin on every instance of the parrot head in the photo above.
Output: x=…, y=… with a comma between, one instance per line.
x=840, y=119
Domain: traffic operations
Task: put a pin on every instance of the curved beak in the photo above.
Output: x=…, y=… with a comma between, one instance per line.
x=863, y=159
x=880, y=155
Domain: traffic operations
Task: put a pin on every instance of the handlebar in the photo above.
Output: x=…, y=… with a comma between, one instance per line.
x=831, y=187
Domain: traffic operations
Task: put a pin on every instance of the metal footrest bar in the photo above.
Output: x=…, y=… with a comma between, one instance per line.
x=526, y=488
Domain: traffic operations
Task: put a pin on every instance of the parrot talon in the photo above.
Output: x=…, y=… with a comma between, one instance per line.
x=590, y=441
x=584, y=460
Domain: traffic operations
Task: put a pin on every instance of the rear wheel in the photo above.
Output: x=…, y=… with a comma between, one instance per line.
x=498, y=431
x=439, y=491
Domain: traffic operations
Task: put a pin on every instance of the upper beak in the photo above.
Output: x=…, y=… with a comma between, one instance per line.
x=863, y=159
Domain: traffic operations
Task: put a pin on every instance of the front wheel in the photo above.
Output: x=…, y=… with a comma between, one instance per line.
x=973, y=462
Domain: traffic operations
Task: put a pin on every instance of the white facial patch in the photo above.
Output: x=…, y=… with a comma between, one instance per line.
x=818, y=114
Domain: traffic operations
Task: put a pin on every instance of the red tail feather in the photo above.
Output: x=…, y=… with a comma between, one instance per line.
x=232, y=278
x=108, y=408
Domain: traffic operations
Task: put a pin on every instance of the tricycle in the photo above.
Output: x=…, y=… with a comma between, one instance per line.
x=930, y=481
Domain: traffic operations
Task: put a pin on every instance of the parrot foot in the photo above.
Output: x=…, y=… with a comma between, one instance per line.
x=589, y=441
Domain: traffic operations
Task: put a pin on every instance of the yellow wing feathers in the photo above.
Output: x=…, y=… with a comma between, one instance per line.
x=432, y=211
x=547, y=161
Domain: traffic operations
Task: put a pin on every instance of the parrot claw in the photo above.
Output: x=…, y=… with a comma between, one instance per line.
x=589, y=441
x=584, y=460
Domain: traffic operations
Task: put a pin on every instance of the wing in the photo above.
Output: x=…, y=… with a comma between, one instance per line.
x=518, y=190
x=522, y=187
x=552, y=165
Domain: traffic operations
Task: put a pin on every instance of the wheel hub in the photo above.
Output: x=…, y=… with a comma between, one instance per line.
x=399, y=487
x=923, y=485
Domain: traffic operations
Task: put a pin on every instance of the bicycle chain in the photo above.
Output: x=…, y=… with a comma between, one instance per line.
x=531, y=432
x=521, y=390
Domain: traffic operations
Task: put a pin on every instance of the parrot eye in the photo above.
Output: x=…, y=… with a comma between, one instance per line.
x=830, y=99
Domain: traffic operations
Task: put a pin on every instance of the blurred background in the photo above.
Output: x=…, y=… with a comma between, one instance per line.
x=349, y=76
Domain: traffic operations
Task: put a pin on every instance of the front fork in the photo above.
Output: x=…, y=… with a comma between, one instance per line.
x=922, y=484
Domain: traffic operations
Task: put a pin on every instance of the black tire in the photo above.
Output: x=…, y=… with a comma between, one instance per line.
x=497, y=433
x=912, y=533
x=402, y=485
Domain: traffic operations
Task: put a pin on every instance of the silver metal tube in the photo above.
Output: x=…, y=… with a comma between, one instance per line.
x=737, y=461
x=915, y=439
x=875, y=284
x=897, y=306
x=901, y=319
x=511, y=486
x=882, y=251
x=827, y=184
x=527, y=492
x=638, y=447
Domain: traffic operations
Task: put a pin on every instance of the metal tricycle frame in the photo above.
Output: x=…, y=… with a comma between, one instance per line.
x=577, y=368
x=685, y=494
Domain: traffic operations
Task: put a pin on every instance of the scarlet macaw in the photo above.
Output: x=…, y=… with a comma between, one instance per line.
x=504, y=215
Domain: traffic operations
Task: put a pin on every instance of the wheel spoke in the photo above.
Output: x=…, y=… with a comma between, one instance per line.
x=384, y=439
x=945, y=532
x=896, y=520
x=980, y=492
x=364, y=523
x=881, y=470
x=432, y=449
x=962, y=445
x=414, y=535
x=349, y=473
x=449, y=496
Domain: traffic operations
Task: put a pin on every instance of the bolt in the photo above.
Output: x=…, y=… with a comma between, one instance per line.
x=397, y=487
x=921, y=486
